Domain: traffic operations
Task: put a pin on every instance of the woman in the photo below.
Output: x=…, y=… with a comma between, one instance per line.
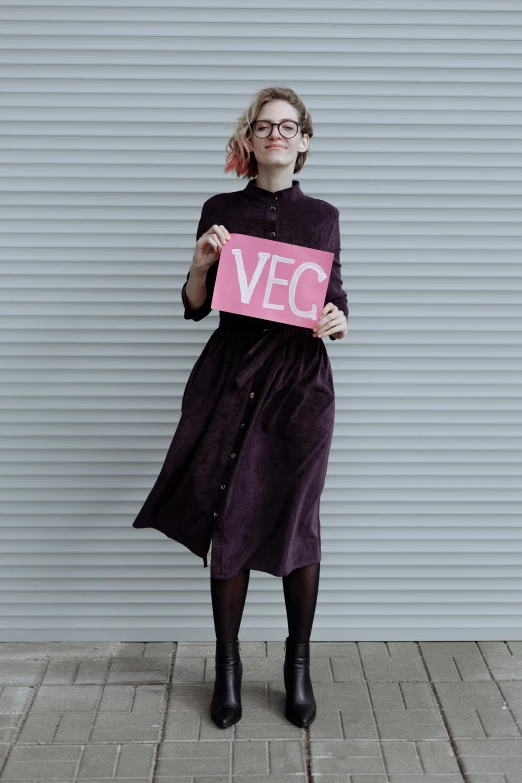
x=247, y=464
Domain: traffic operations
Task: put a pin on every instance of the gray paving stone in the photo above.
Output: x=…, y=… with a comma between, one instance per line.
x=34, y=650
x=4, y=749
x=481, y=723
x=195, y=696
x=417, y=758
x=268, y=731
x=392, y=661
x=512, y=694
x=494, y=778
x=277, y=649
x=189, y=669
x=267, y=724
x=159, y=649
x=74, y=727
x=42, y=727
x=61, y=672
x=436, y=778
x=182, y=725
x=251, y=757
x=402, y=695
x=92, y=671
x=329, y=724
x=67, y=698
x=357, y=724
x=148, y=698
x=134, y=761
x=503, y=668
x=138, y=670
x=28, y=762
x=121, y=698
x=21, y=672
x=133, y=698
x=77, y=671
x=208, y=649
x=411, y=725
x=379, y=722
x=317, y=649
x=191, y=779
x=127, y=727
x=349, y=756
x=292, y=778
x=348, y=650
x=209, y=749
x=15, y=699
x=193, y=758
x=346, y=669
x=130, y=650
x=285, y=756
x=9, y=726
x=498, y=756
x=469, y=694
x=507, y=648
x=99, y=761
x=342, y=695
x=448, y=661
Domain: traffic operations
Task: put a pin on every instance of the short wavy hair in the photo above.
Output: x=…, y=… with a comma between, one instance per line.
x=240, y=153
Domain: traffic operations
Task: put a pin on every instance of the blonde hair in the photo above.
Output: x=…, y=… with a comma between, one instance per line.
x=240, y=153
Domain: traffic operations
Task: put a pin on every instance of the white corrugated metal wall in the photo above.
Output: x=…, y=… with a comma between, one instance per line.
x=114, y=122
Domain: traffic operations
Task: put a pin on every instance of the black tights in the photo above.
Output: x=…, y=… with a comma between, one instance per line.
x=300, y=589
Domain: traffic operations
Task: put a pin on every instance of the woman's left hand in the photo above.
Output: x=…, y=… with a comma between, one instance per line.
x=332, y=321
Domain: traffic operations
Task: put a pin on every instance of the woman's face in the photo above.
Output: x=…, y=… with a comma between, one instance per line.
x=275, y=150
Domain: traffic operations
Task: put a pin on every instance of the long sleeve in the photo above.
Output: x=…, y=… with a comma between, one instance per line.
x=205, y=222
x=335, y=292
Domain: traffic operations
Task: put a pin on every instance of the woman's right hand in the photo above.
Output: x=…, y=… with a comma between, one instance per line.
x=208, y=247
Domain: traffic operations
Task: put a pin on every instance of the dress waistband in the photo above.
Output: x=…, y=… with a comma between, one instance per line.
x=249, y=324
x=271, y=334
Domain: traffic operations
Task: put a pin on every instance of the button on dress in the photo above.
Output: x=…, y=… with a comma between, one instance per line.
x=246, y=467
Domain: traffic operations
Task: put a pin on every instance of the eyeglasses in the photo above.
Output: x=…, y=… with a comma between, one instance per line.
x=263, y=129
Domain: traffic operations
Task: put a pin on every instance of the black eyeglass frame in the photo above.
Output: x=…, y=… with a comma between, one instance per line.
x=277, y=124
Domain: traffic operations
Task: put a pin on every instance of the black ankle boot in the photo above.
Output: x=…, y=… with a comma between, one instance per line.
x=225, y=709
x=300, y=707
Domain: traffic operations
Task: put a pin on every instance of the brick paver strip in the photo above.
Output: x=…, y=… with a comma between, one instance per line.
x=397, y=712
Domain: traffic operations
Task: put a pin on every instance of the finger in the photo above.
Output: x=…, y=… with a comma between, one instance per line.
x=214, y=242
x=214, y=231
x=227, y=235
x=221, y=232
x=329, y=308
x=330, y=327
x=326, y=309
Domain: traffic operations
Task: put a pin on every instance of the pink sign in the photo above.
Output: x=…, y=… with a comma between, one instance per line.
x=273, y=280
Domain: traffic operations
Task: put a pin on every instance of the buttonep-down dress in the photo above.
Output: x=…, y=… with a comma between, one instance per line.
x=245, y=470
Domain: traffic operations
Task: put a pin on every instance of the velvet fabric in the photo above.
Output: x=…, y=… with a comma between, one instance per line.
x=247, y=463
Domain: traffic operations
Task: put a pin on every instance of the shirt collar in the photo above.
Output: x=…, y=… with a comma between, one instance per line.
x=283, y=196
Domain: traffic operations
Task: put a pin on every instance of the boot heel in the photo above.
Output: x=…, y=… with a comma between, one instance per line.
x=226, y=708
x=300, y=705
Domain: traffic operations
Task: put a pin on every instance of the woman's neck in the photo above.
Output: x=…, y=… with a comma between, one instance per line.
x=274, y=180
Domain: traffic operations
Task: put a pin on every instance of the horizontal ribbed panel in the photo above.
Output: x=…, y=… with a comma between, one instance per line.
x=113, y=126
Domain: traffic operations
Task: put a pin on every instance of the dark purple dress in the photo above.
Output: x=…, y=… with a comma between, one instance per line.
x=247, y=464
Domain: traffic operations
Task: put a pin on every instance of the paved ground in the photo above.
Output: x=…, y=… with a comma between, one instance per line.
x=432, y=712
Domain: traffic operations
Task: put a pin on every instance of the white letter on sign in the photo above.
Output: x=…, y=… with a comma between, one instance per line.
x=246, y=290
x=278, y=280
x=321, y=274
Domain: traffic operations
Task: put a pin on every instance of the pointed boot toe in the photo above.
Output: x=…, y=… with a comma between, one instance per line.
x=300, y=705
x=225, y=708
